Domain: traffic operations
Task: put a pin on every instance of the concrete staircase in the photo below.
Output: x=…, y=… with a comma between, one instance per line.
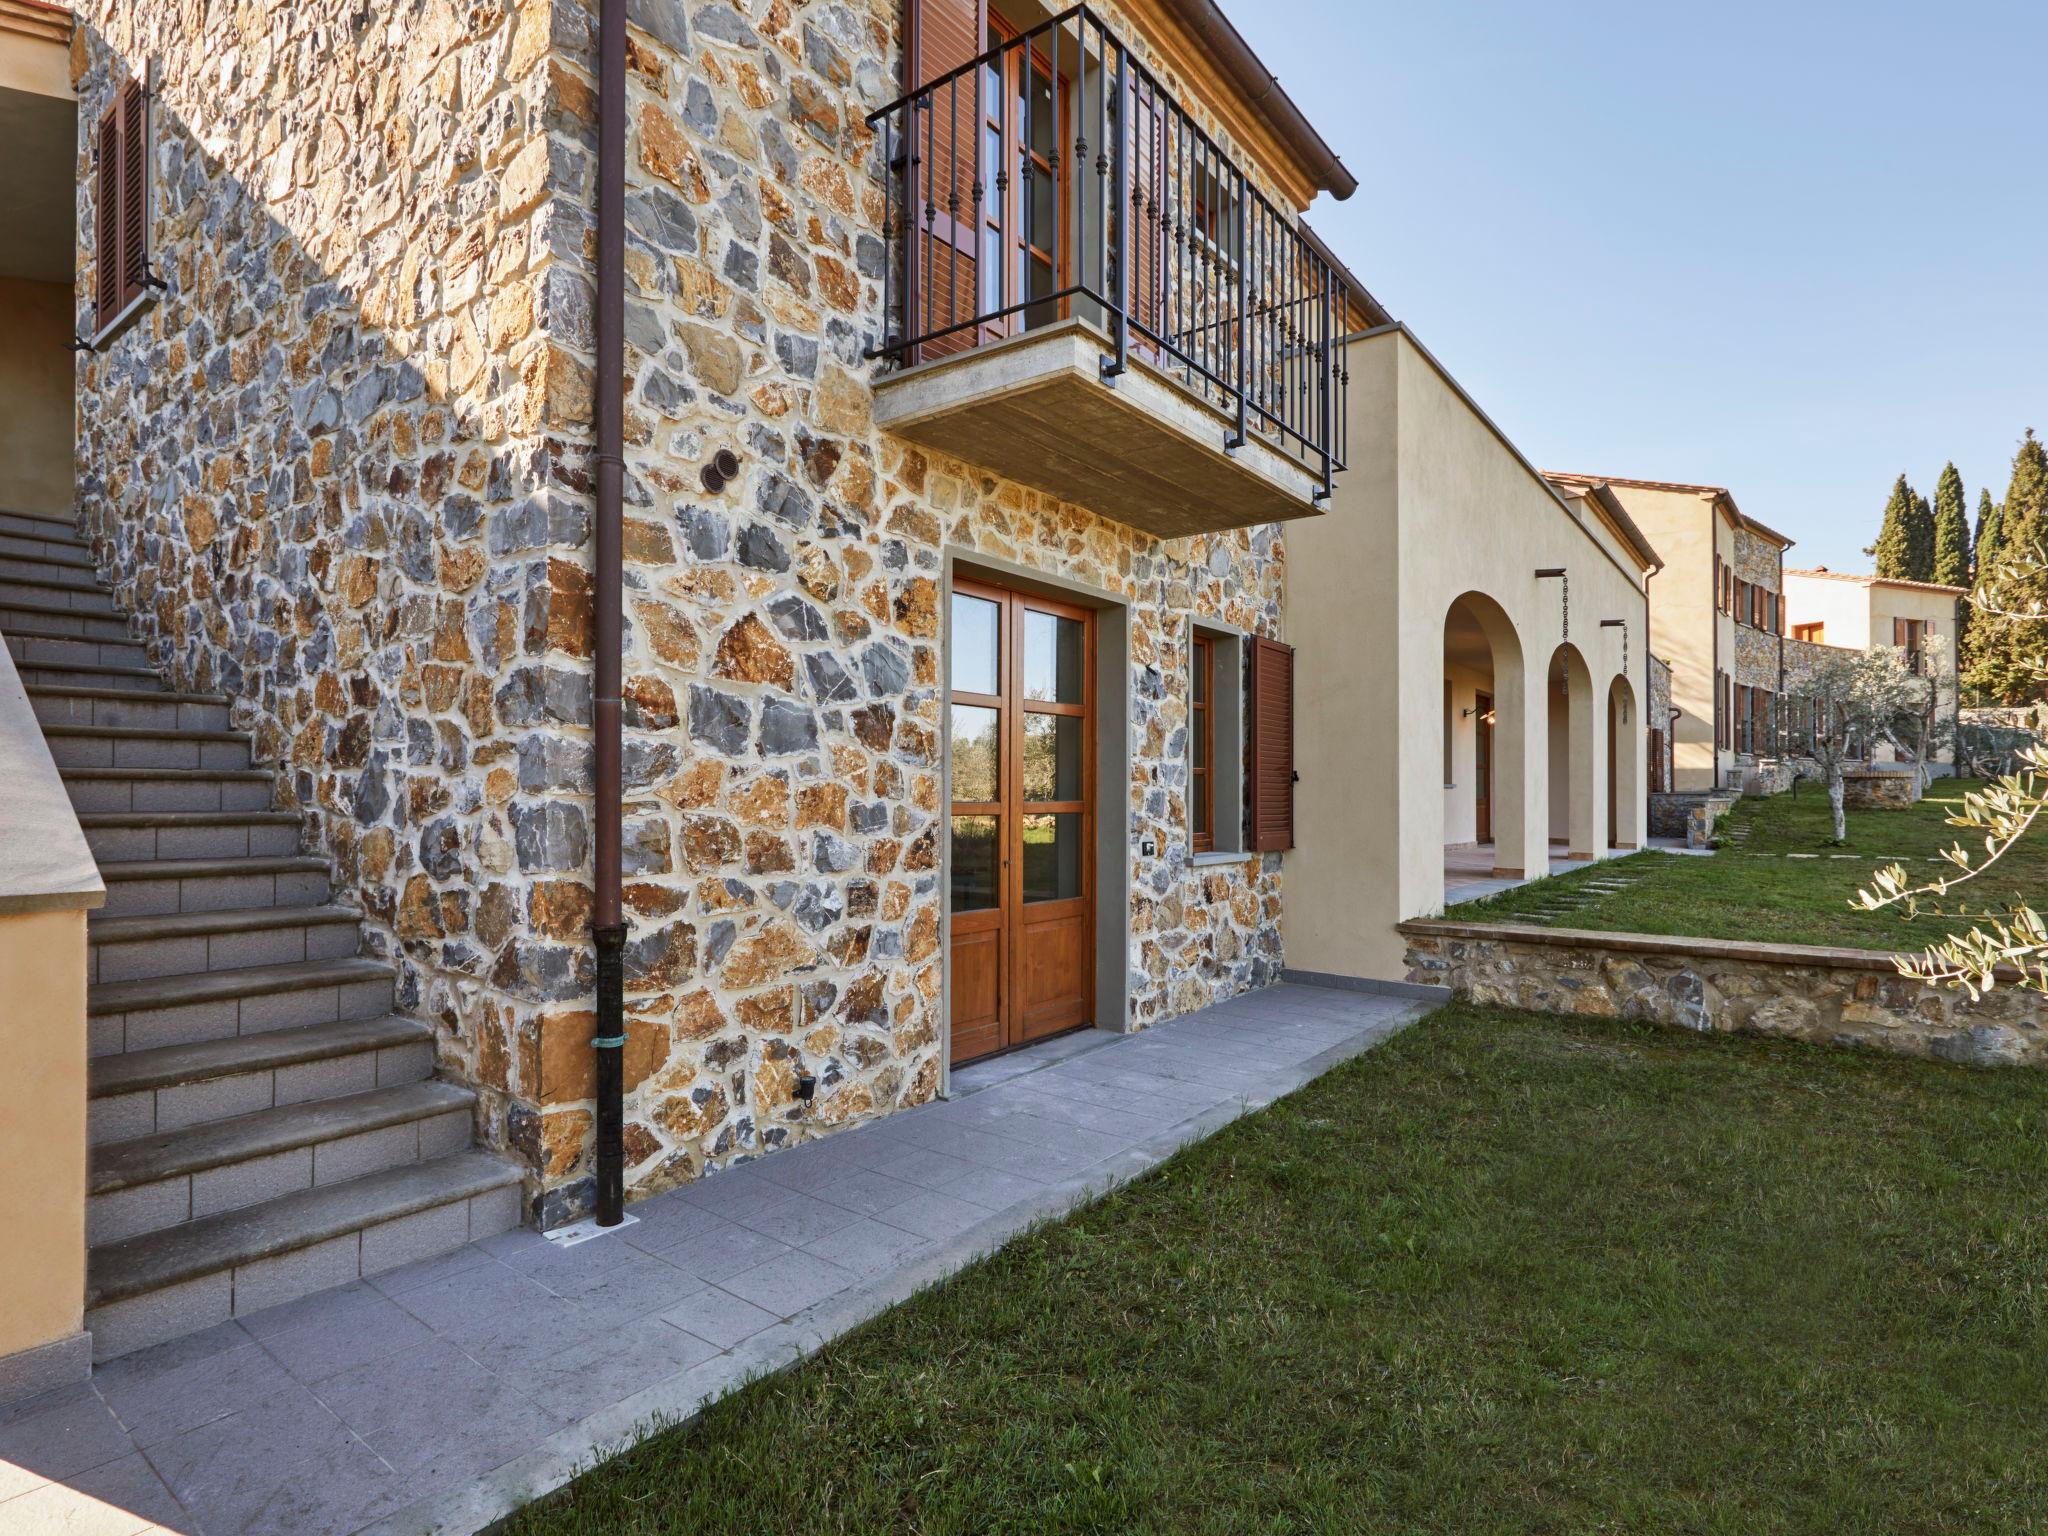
x=262, y=1125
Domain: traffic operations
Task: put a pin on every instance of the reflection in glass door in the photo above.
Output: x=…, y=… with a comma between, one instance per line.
x=1022, y=756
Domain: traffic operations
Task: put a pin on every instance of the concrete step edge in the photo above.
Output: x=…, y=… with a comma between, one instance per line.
x=214, y=1243
x=145, y=733
x=118, y=1165
x=119, y=695
x=221, y=868
x=189, y=818
x=110, y=997
x=144, y=927
x=167, y=1066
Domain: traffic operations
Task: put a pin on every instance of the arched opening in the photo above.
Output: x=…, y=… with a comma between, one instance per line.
x=1484, y=814
x=1624, y=764
x=1575, y=776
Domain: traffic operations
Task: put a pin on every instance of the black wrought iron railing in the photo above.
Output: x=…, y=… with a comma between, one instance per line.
x=1054, y=178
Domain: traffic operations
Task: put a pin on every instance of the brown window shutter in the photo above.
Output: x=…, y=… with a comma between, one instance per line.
x=1899, y=633
x=134, y=191
x=1272, y=712
x=944, y=288
x=106, y=219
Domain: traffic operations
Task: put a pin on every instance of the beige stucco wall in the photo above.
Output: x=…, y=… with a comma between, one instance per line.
x=1842, y=606
x=35, y=395
x=1435, y=505
x=42, y=1135
x=1687, y=627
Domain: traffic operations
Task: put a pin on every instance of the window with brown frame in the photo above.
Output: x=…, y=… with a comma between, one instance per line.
x=1811, y=633
x=1272, y=746
x=1202, y=745
x=121, y=142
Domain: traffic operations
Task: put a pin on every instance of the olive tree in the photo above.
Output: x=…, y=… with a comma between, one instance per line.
x=2011, y=941
x=1861, y=698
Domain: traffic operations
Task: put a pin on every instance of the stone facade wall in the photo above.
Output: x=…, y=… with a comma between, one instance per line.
x=1659, y=718
x=1758, y=561
x=323, y=468
x=1829, y=996
x=342, y=473
x=785, y=632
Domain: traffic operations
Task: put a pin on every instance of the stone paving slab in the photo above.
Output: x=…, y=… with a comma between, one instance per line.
x=443, y=1396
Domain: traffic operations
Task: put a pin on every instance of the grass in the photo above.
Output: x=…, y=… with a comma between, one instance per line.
x=1751, y=889
x=1506, y=1273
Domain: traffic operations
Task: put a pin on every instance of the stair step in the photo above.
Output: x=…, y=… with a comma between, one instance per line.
x=63, y=596
x=57, y=619
x=54, y=551
x=169, y=1177
x=181, y=1010
x=71, y=676
x=250, y=981
x=167, y=944
x=176, y=1281
x=169, y=789
x=128, y=707
x=180, y=1066
x=213, y=885
x=70, y=570
x=41, y=524
x=57, y=546
x=31, y=644
x=139, y=836
x=141, y=746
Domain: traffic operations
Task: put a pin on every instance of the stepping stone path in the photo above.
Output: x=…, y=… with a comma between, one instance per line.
x=1564, y=899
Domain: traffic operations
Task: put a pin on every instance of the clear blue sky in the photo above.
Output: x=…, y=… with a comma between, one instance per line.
x=1791, y=248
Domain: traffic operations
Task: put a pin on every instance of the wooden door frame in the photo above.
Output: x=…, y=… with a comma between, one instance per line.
x=1011, y=241
x=1012, y=917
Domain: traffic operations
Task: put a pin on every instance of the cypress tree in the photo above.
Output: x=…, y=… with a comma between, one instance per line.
x=1894, y=546
x=2023, y=519
x=2006, y=653
x=1920, y=541
x=1985, y=552
x=1951, y=563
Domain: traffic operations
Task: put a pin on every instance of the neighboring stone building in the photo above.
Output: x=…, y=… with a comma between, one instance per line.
x=1717, y=613
x=1921, y=618
x=960, y=622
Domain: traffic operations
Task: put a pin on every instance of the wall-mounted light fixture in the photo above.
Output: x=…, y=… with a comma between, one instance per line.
x=1470, y=710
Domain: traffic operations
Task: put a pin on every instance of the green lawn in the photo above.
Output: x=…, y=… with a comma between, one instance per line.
x=1752, y=890
x=1507, y=1273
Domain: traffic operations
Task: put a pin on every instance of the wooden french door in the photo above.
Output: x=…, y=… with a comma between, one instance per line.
x=1022, y=737
x=1024, y=121
x=1482, y=767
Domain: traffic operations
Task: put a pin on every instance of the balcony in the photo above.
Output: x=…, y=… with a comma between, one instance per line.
x=1087, y=295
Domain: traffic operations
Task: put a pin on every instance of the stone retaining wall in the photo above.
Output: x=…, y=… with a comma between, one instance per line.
x=1796, y=991
x=1875, y=789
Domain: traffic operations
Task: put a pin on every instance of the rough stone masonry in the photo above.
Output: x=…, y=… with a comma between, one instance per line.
x=341, y=473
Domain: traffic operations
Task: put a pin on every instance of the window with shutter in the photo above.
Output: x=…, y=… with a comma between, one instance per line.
x=1272, y=746
x=121, y=207
x=949, y=134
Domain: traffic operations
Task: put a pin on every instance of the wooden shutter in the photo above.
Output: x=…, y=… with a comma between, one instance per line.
x=1899, y=635
x=121, y=211
x=1272, y=746
x=943, y=288
x=106, y=221
x=134, y=191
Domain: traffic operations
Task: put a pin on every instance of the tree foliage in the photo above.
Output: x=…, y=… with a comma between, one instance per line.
x=1894, y=546
x=2008, y=945
x=2006, y=645
x=1862, y=698
x=1951, y=563
x=1984, y=554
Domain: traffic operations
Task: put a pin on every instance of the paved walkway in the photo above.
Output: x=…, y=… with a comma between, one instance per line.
x=443, y=1396
x=1468, y=871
